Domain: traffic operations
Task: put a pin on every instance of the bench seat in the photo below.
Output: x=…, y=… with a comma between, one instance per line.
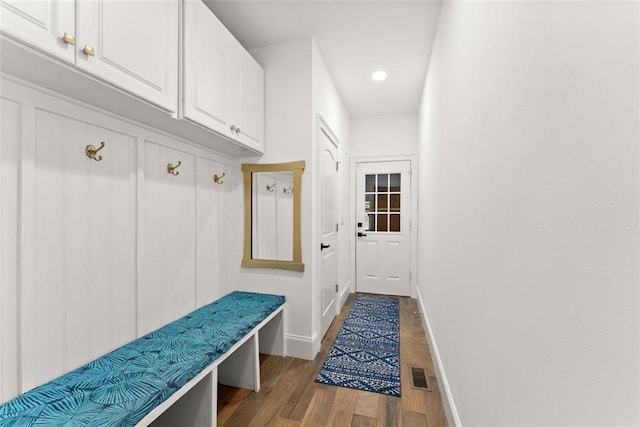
x=123, y=386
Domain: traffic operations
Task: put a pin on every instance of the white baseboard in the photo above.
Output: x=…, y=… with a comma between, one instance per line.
x=447, y=398
x=343, y=295
x=302, y=347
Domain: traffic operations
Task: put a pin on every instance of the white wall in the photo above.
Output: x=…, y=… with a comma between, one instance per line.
x=287, y=138
x=298, y=88
x=529, y=211
x=384, y=135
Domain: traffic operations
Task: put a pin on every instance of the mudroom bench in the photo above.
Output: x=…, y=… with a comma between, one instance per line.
x=168, y=377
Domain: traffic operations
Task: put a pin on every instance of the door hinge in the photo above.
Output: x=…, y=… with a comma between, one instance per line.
x=337, y=226
x=336, y=287
x=409, y=276
x=337, y=166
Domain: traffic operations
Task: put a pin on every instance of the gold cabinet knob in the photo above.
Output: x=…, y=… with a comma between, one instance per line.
x=233, y=128
x=68, y=39
x=88, y=50
x=237, y=130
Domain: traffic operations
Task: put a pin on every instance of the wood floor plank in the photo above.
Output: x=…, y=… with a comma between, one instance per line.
x=229, y=398
x=320, y=407
x=389, y=411
x=343, y=408
x=285, y=422
x=247, y=410
x=362, y=421
x=282, y=389
x=302, y=393
x=413, y=419
x=367, y=404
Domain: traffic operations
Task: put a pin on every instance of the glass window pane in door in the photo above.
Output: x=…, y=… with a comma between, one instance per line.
x=394, y=223
x=370, y=225
x=383, y=203
x=383, y=183
x=394, y=182
x=382, y=223
x=394, y=200
x=369, y=203
x=370, y=183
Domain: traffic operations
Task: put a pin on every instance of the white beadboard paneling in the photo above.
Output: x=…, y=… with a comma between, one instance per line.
x=76, y=226
x=212, y=221
x=78, y=288
x=42, y=258
x=11, y=122
x=169, y=259
x=121, y=239
x=111, y=265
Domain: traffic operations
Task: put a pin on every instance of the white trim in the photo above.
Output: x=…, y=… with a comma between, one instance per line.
x=344, y=294
x=302, y=347
x=447, y=397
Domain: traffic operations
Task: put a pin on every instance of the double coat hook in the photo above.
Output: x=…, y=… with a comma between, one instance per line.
x=172, y=169
x=92, y=152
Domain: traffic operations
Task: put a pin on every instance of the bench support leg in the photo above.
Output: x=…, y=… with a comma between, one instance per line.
x=242, y=368
x=196, y=408
x=272, y=336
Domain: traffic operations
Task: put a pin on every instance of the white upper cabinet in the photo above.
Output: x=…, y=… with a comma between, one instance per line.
x=44, y=24
x=223, y=85
x=251, y=132
x=133, y=45
x=195, y=71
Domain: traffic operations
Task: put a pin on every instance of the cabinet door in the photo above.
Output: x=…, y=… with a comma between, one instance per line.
x=133, y=45
x=78, y=286
x=212, y=219
x=167, y=257
x=41, y=24
x=211, y=70
x=251, y=120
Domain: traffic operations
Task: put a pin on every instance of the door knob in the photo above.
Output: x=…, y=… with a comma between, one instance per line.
x=361, y=234
x=323, y=246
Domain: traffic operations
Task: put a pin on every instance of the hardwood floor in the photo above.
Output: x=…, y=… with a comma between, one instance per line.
x=289, y=395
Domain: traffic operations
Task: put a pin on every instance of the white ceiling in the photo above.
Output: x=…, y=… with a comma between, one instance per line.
x=354, y=37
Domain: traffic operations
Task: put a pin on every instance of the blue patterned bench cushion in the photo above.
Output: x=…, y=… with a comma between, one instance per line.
x=120, y=388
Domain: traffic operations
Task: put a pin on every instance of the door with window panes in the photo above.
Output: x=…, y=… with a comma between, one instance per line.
x=383, y=260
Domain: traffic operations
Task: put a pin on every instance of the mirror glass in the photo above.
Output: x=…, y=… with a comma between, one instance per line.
x=272, y=215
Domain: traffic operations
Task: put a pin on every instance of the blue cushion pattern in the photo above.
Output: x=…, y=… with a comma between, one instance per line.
x=121, y=387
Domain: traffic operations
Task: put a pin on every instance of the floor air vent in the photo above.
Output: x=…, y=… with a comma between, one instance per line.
x=419, y=379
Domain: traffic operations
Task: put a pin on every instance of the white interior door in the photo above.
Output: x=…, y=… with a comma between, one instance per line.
x=383, y=261
x=328, y=223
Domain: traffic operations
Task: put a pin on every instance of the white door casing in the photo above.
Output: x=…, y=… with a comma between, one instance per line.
x=383, y=237
x=327, y=161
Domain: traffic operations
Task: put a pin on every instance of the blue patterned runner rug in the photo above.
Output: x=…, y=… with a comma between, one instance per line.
x=366, y=352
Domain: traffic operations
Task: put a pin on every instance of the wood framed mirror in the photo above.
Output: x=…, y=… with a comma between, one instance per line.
x=272, y=199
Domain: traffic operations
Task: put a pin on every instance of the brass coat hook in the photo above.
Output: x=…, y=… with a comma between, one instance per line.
x=271, y=188
x=287, y=190
x=172, y=169
x=92, y=152
x=218, y=178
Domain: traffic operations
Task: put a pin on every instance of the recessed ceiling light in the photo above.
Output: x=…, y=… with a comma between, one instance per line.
x=379, y=76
